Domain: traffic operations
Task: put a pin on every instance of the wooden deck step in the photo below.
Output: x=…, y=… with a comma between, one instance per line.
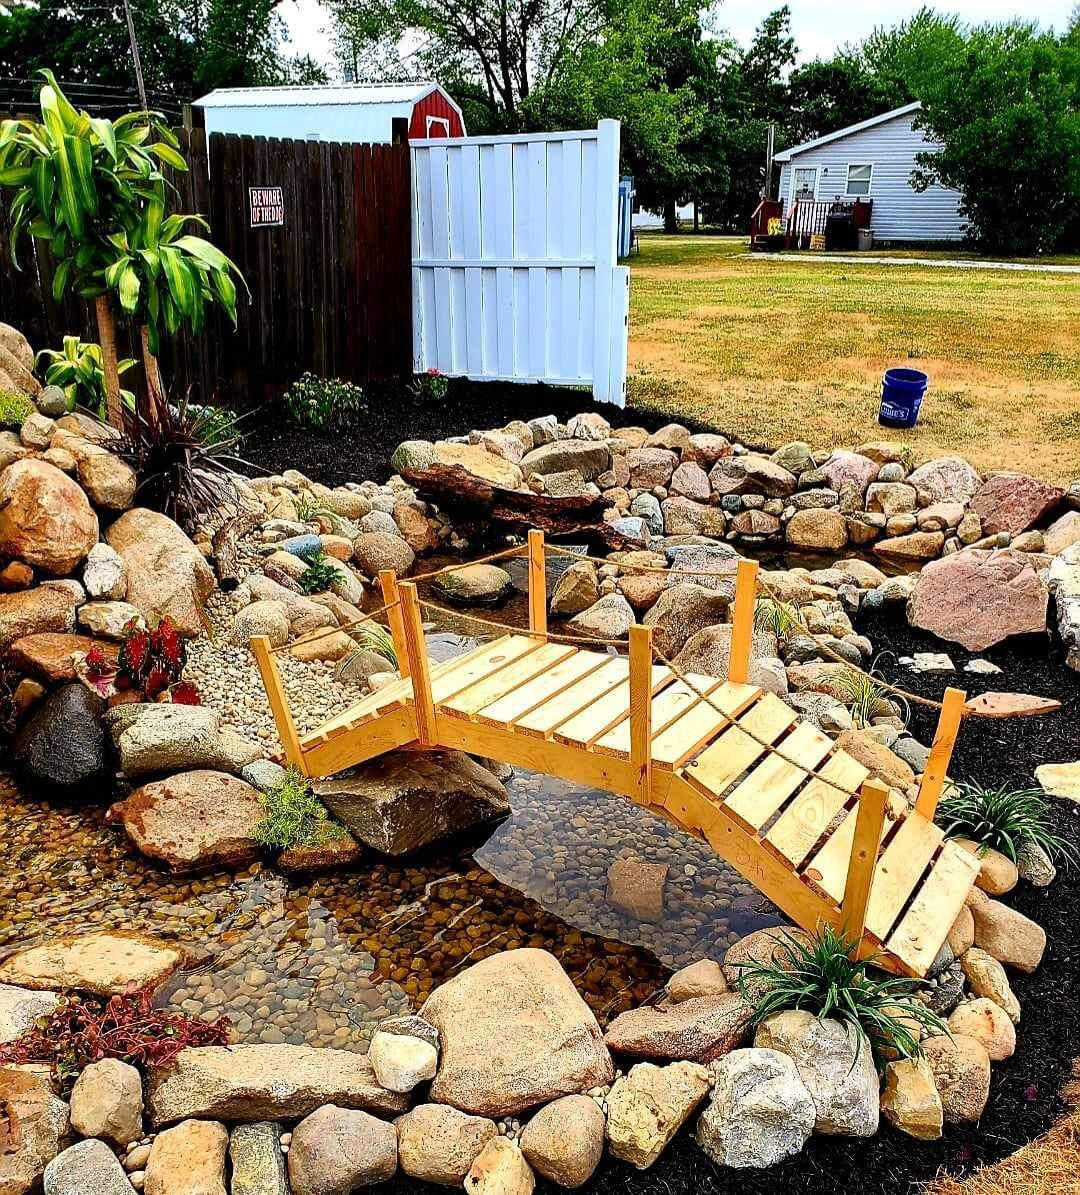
x=827, y=869
x=918, y=936
x=796, y=831
x=483, y=662
x=899, y=870
x=727, y=757
x=772, y=782
x=667, y=707
x=694, y=729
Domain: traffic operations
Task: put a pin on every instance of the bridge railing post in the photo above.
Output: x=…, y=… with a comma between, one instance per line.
x=279, y=702
x=419, y=667
x=641, y=712
x=392, y=600
x=937, y=765
x=742, y=631
x=537, y=585
x=864, y=848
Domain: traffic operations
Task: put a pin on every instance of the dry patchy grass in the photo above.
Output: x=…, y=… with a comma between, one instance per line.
x=774, y=350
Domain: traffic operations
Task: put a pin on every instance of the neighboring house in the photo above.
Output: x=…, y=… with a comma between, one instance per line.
x=334, y=112
x=872, y=161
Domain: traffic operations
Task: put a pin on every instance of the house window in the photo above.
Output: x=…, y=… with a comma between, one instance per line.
x=438, y=126
x=804, y=182
x=858, y=179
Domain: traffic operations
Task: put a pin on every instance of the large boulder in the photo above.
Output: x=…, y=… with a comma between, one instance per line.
x=961, y=1070
x=760, y=1111
x=817, y=530
x=648, y=1106
x=609, y=618
x=336, y=1151
x=683, y=611
x=1063, y=577
x=1007, y=935
x=50, y=655
x=850, y=471
x=476, y=460
x=256, y=1160
x=947, y=479
x=1062, y=533
x=46, y=609
x=500, y=1169
x=1013, y=502
x=193, y=820
x=589, y=457
x=35, y=1125
x=404, y=800
x=45, y=518
x=63, y=745
x=515, y=1033
x=20, y=1008
x=106, y=1101
x=160, y=737
x=576, y=590
x=265, y=1082
x=188, y=1159
x=108, y=481
x=375, y=551
x=834, y=1062
x=475, y=583
x=102, y=963
x=698, y=1030
x=978, y=598
x=910, y=1099
x=708, y=652
x=650, y=466
x=166, y=573
x=751, y=474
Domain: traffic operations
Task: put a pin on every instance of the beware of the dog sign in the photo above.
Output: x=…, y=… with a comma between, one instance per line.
x=267, y=206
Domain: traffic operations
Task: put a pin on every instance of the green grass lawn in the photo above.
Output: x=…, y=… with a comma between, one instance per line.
x=775, y=349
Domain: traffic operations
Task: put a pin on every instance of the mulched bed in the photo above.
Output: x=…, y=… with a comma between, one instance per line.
x=1025, y=1097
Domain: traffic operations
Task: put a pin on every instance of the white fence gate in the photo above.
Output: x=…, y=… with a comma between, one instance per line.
x=514, y=259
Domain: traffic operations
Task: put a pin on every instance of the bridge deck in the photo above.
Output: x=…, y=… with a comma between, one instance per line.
x=791, y=822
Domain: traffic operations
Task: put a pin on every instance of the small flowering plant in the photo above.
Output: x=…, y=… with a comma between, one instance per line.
x=431, y=386
x=150, y=664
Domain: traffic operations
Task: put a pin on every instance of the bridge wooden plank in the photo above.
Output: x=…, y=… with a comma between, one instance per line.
x=770, y=784
x=899, y=870
x=693, y=730
x=467, y=702
x=395, y=728
x=667, y=706
x=798, y=828
x=726, y=758
x=560, y=708
x=918, y=937
x=587, y=726
x=479, y=664
x=555, y=680
x=828, y=868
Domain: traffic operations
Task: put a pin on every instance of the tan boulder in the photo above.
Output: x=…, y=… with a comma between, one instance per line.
x=648, y=1106
x=564, y=1141
x=918, y=545
x=439, y=1144
x=986, y=977
x=876, y=758
x=108, y=481
x=703, y=978
x=188, y=1160
x=500, y=1169
x=697, y=1030
x=45, y=518
x=102, y=963
x=961, y=1069
x=910, y=1099
x=817, y=529
x=50, y=654
x=106, y=1101
x=961, y=936
x=997, y=872
x=1008, y=935
x=336, y=1151
x=38, y=1123
x=986, y=1022
x=576, y=590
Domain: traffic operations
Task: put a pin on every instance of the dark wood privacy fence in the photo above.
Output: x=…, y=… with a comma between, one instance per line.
x=331, y=288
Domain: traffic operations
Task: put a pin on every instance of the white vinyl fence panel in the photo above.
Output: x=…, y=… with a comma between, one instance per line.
x=514, y=259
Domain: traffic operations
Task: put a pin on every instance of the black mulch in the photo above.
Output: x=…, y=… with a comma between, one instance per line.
x=273, y=443
x=1025, y=1097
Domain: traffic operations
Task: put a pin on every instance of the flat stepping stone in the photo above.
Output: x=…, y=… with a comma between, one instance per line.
x=1011, y=705
x=1060, y=779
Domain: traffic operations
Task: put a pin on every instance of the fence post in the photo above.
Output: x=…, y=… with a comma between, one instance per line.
x=279, y=702
x=419, y=668
x=742, y=631
x=392, y=600
x=641, y=712
x=937, y=766
x=606, y=242
x=864, y=847
x=537, y=585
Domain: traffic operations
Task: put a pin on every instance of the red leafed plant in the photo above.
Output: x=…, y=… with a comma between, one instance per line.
x=126, y=1026
x=151, y=661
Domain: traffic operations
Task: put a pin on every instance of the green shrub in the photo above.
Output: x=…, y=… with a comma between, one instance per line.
x=823, y=977
x=867, y=697
x=78, y=370
x=431, y=386
x=321, y=404
x=1002, y=818
x=14, y=408
x=375, y=637
x=294, y=816
x=216, y=425
x=320, y=574
x=776, y=617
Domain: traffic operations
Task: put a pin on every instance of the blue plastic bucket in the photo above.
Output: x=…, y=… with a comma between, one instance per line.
x=902, y=393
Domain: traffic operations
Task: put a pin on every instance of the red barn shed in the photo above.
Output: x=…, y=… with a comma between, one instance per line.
x=333, y=112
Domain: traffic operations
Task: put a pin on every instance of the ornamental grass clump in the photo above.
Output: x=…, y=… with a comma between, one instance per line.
x=775, y=617
x=294, y=816
x=867, y=695
x=822, y=976
x=1002, y=819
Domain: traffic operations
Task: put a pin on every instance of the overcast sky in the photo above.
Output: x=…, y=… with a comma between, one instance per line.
x=819, y=26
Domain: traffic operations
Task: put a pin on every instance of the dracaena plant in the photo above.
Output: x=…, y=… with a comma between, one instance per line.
x=78, y=369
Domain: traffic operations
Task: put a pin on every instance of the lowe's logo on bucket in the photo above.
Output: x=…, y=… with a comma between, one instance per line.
x=902, y=392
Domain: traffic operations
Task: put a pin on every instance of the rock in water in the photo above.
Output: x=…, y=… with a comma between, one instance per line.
x=405, y=800
x=188, y=1160
x=760, y=1112
x=63, y=744
x=106, y=1101
x=836, y=1065
x=45, y=518
x=648, y=1106
x=101, y=963
x=515, y=1033
x=564, y=1141
x=335, y=1151
x=87, y=1168
x=439, y=1144
x=265, y=1082
x=258, y=1165
x=42, y=1124
x=193, y=820
x=475, y=583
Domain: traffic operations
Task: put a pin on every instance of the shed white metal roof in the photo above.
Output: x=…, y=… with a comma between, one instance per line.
x=317, y=95
x=787, y=154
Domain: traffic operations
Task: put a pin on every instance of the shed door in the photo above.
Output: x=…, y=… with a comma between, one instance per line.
x=804, y=182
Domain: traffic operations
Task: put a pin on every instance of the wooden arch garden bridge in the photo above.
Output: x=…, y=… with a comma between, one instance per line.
x=725, y=761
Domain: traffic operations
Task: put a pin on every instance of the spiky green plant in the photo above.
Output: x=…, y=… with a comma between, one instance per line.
x=821, y=975
x=1003, y=819
x=320, y=574
x=866, y=695
x=309, y=508
x=375, y=637
x=294, y=816
x=775, y=617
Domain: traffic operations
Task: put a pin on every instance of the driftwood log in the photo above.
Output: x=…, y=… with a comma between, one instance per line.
x=225, y=546
x=475, y=504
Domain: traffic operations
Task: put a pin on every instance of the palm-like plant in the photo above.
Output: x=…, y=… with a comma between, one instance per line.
x=79, y=370
x=96, y=191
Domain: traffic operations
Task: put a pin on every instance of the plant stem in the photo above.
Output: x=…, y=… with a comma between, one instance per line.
x=155, y=389
x=107, y=340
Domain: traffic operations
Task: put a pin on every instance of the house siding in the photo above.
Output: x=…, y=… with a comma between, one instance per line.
x=900, y=213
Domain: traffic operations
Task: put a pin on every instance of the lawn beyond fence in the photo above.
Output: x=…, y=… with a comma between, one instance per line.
x=774, y=351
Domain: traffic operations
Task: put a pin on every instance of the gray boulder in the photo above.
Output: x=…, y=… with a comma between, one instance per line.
x=63, y=745
x=87, y=1168
x=154, y=737
x=258, y=1165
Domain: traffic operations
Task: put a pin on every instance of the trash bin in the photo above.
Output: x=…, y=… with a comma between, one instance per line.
x=902, y=392
x=840, y=231
x=866, y=239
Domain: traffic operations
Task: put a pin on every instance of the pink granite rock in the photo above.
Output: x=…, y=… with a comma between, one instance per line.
x=845, y=469
x=947, y=479
x=1013, y=502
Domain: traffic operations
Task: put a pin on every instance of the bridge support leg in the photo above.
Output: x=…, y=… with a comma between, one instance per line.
x=279, y=702
x=392, y=600
x=537, y=585
x=742, y=632
x=641, y=712
x=864, y=848
x=937, y=766
x=419, y=667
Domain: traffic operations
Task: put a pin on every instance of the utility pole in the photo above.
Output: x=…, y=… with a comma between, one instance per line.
x=135, y=55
